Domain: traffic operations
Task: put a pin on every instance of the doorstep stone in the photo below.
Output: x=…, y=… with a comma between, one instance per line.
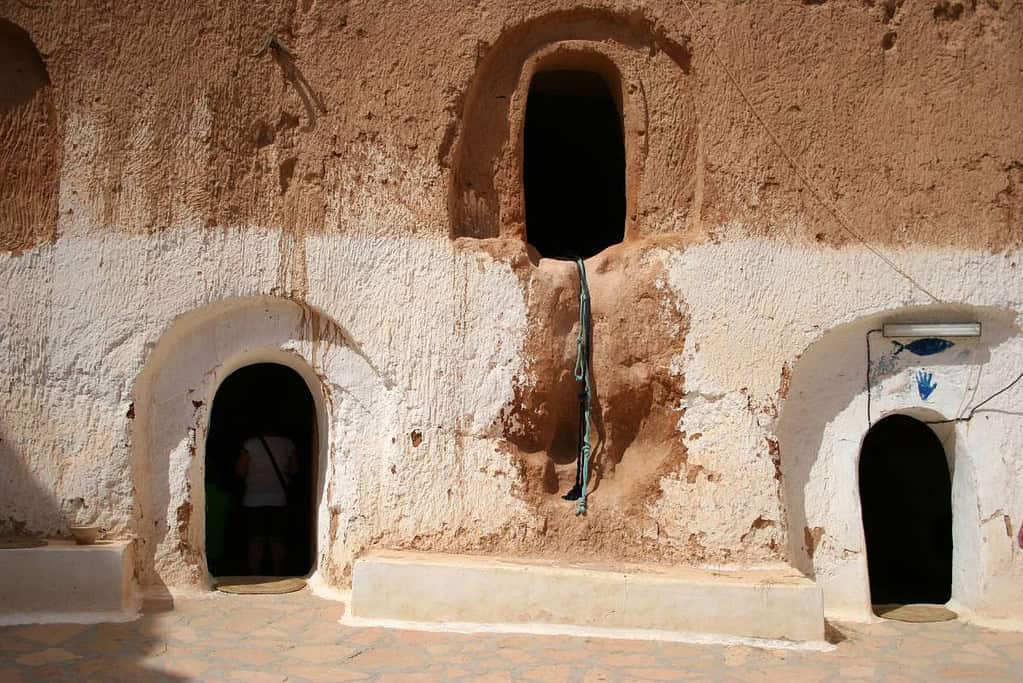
x=776, y=604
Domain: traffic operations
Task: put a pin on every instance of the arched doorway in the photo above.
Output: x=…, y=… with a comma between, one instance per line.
x=906, y=499
x=260, y=509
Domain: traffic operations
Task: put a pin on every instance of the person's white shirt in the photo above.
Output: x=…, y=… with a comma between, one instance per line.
x=262, y=486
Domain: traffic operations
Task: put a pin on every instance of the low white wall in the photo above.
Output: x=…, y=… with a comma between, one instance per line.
x=772, y=606
x=63, y=582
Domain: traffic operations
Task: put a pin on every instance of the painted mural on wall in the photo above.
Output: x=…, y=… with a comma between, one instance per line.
x=925, y=384
x=923, y=347
x=901, y=357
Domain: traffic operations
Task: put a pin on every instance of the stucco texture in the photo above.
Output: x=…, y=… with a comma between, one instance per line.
x=337, y=187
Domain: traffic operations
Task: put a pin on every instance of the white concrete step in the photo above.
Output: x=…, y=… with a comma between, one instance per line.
x=391, y=588
x=62, y=581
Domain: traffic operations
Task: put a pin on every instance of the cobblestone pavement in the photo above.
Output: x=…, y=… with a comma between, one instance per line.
x=297, y=638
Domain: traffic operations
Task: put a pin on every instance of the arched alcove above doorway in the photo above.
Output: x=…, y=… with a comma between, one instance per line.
x=906, y=503
x=823, y=426
x=172, y=416
x=485, y=149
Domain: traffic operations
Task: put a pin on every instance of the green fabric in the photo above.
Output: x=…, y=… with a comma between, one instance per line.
x=218, y=502
x=582, y=374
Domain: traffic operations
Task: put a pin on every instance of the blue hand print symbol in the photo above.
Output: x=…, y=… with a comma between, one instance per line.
x=925, y=384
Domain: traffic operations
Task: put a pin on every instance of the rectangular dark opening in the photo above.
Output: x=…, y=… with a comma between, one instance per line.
x=573, y=165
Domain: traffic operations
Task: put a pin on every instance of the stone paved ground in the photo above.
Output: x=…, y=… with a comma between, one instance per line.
x=297, y=638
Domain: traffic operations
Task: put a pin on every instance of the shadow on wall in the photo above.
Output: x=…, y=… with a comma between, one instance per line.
x=829, y=379
x=24, y=498
x=311, y=101
x=128, y=645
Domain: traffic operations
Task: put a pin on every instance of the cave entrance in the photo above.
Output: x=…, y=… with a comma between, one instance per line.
x=573, y=165
x=259, y=522
x=906, y=498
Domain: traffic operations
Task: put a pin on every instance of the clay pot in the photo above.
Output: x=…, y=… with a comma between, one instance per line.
x=86, y=535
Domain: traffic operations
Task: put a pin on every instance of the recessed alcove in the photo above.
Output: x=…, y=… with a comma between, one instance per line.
x=29, y=143
x=585, y=77
x=573, y=165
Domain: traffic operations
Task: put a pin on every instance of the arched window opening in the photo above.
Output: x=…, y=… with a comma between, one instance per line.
x=906, y=498
x=573, y=165
x=260, y=474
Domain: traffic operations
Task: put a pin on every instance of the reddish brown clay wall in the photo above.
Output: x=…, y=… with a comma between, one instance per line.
x=903, y=115
x=29, y=144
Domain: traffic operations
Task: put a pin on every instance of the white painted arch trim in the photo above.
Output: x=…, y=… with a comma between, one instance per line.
x=173, y=398
x=821, y=428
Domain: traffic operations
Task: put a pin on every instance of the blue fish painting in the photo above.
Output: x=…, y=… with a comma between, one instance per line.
x=923, y=347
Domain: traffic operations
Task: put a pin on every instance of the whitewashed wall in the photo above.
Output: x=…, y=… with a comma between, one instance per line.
x=756, y=307
x=423, y=333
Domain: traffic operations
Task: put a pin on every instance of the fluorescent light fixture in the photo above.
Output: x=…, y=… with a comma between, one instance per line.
x=931, y=330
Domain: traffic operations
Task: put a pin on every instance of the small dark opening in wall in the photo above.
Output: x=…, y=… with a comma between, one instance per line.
x=906, y=497
x=573, y=165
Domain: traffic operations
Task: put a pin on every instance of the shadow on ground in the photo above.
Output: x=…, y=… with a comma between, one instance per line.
x=128, y=651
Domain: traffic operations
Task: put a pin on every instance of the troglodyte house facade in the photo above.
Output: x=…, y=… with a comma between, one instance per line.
x=372, y=195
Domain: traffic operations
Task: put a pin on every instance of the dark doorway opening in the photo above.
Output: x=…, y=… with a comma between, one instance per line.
x=906, y=498
x=573, y=165
x=248, y=530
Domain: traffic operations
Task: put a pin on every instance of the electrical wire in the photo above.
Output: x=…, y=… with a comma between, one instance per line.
x=975, y=408
x=869, y=332
x=966, y=418
x=800, y=173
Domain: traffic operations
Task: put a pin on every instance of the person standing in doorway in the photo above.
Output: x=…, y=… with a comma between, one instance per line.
x=267, y=463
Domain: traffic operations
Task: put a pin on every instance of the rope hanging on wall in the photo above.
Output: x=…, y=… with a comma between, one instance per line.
x=582, y=376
